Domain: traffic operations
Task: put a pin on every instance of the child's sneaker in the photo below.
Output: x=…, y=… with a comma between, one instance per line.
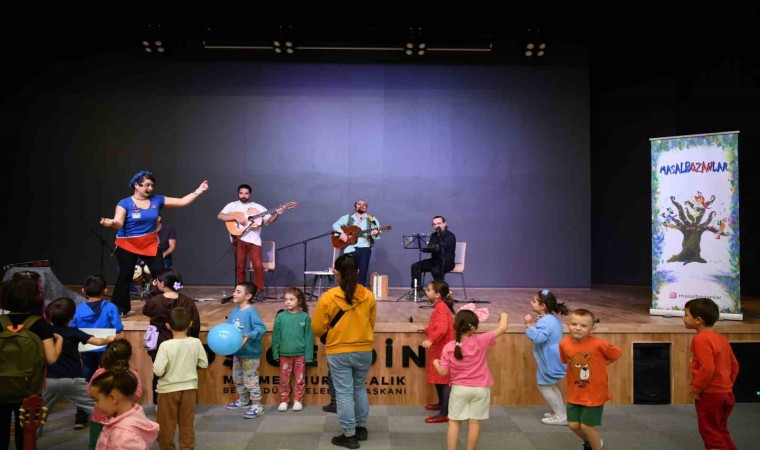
x=554, y=420
x=254, y=412
x=81, y=419
x=297, y=406
x=239, y=404
x=284, y=407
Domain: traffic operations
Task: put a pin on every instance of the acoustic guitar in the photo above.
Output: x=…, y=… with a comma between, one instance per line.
x=354, y=232
x=252, y=221
x=32, y=414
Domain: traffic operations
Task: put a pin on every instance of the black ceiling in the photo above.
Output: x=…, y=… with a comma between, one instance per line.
x=572, y=39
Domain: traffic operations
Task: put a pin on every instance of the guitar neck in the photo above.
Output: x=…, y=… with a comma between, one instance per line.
x=363, y=232
x=266, y=213
x=262, y=214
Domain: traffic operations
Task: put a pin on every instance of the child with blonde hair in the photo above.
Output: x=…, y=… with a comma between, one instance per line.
x=587, y=358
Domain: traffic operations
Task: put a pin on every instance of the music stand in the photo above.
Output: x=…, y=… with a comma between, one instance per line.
x=417, y=242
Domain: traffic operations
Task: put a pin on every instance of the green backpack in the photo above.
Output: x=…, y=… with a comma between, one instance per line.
x=22, y=361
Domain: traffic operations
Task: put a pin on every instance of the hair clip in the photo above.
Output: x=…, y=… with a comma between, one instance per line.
x=472, y=327
x=177, y=285
x=545, y=292
x=459, y=344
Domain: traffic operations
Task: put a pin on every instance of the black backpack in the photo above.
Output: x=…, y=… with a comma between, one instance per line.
x=22, y=361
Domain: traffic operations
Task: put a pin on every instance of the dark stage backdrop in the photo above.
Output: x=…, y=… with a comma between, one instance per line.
x=502, y=152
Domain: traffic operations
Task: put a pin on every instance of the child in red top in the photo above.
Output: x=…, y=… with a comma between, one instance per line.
x=439, y=331
x=714, y=369
x=587, y=358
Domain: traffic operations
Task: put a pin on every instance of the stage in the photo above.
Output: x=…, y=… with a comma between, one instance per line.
x=397, y=376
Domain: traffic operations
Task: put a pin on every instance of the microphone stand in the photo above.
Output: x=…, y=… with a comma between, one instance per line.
x=441, y=247
x=305, y=245
x=413, y=242
x=103, y=246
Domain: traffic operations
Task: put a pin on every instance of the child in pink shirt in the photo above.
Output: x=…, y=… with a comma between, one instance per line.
x=127, y=428
x=117, y=354
x=471, y=381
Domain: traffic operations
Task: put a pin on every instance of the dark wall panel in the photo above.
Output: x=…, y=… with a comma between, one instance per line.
x=502, y=152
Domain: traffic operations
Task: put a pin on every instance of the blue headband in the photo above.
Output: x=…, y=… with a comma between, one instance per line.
x=545, y=292
x=137, y=177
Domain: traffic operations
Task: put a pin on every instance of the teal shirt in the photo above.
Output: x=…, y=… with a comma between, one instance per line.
x=292, y=335
x=250, y=324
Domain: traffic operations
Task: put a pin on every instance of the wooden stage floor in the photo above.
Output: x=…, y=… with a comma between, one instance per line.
x=619, y=309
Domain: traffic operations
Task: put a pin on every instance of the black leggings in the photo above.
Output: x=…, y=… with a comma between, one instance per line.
x=443, y=391
x=127, y=261
x=5, y=430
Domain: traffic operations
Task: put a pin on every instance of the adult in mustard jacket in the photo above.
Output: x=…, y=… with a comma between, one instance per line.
x=349, y=345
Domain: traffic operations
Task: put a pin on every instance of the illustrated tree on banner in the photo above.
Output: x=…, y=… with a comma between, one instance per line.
x=689, y=222
x=695, y=219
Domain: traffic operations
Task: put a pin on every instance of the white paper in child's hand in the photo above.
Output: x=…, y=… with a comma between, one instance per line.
x=96, y=332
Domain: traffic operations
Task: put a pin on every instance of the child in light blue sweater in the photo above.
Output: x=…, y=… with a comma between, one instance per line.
x=545, y=333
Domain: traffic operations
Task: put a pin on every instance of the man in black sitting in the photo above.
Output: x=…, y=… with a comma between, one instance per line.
x=442, y=248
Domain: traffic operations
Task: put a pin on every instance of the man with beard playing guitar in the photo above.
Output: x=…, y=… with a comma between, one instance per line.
x=247, y=241
x=362, y=248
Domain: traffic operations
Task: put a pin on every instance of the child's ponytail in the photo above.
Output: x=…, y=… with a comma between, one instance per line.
x=464, y=322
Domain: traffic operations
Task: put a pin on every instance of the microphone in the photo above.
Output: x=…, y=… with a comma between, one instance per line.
x=226, y=299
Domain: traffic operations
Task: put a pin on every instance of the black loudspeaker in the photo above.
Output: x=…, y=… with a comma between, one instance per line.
x=747, y=385
x=651, y=373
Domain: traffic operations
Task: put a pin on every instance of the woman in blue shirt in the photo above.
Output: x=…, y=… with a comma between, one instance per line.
x=136, y=219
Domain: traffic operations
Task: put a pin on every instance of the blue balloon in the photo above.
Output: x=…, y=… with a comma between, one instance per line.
x=225, y=339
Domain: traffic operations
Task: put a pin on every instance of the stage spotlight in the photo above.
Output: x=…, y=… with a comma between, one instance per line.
x=284, y=42
x=415, y=44
x=534, y=43
x=154, y=39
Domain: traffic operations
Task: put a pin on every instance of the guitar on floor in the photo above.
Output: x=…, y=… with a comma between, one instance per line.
x=32, y=414
x=252, y=221
x=38, y=263
x=354, y=233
